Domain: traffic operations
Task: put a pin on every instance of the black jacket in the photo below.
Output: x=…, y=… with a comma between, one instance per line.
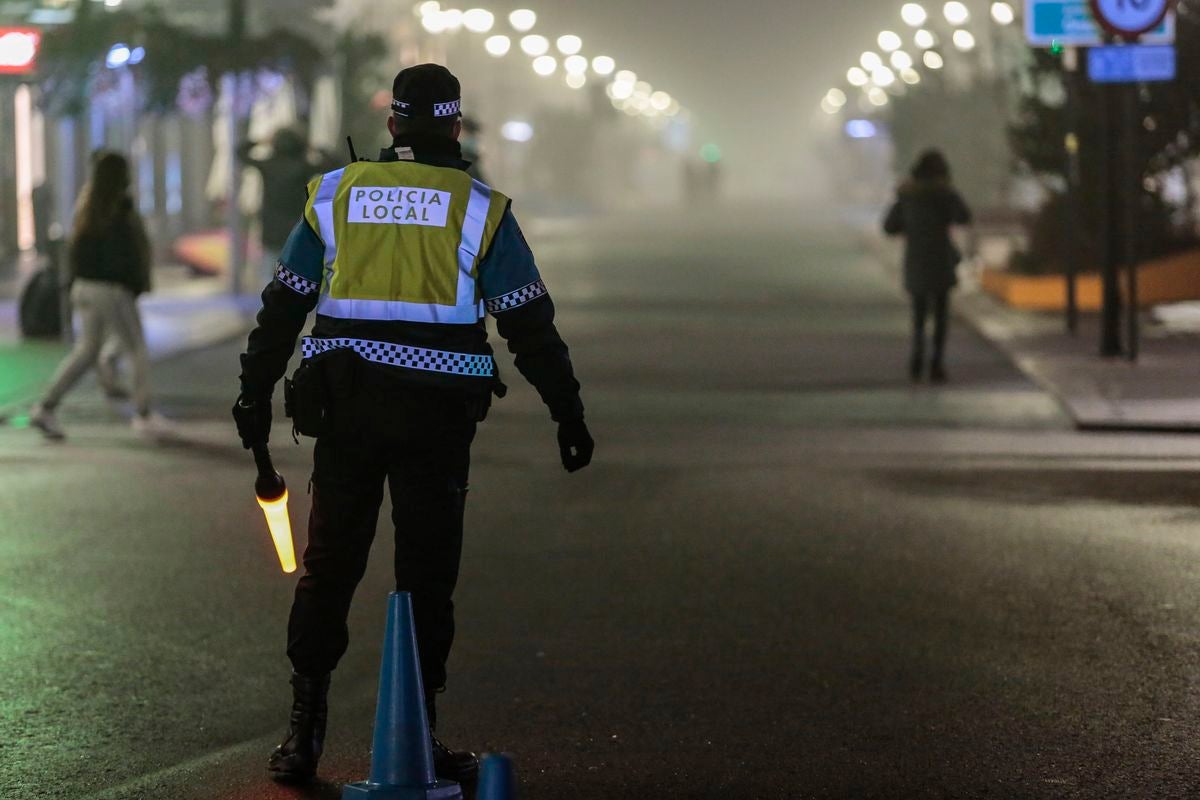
x=923, y=213
x=119, y=254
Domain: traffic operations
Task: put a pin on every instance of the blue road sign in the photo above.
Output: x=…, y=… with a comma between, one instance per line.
x=1131, y=64
x=1070, y=23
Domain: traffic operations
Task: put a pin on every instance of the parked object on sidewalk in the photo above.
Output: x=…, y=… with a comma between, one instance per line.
x=927, y=206
x=40, y=306
x=109, y=258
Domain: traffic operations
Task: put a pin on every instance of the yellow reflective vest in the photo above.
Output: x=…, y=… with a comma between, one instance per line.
x=403, y=241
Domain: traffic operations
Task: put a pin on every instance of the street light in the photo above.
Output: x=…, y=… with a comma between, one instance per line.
x=575, y=65
x=1003, y=13
x=522, y=20
x=956, y=13
x=914, y=14
x=870, y=61
x=498, y=45
x=964, y=40
x=545, y=65
x=889, y=41
x=925, y=39
x=479, y=20
x=535, y=45
x=901, y=60
x=877, y=96
x=933, y=59
x=603, y=65
x=910, y=76
x=576, y=80
x=883, y=77
x=429, y=7
x=857, y=77
x=434, y=22
x=620, y=90
x=836, y=97
x=626, y=76
x=569, y=45
x=660, y=101
x=452, y=19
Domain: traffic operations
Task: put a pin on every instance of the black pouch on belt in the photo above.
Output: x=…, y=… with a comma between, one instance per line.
x=306, y=399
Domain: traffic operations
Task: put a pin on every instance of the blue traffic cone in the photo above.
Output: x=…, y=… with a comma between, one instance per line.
x=497, y=778
x=402, y=753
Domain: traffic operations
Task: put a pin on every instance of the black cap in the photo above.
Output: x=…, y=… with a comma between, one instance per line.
x=427, y=91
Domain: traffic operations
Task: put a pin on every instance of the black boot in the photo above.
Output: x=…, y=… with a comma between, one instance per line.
x=296, y=758
x=451, y=765
x=458, y=766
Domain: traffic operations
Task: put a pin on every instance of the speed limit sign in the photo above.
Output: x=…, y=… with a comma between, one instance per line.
x=1129, y=19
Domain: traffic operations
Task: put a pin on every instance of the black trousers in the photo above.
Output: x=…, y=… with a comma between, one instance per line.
x=418, y=443
x=922, y=304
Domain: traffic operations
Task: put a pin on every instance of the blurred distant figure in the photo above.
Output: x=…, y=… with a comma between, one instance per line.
x=472, y=148
x=109, y=261
x=926, y=207
x=285, y=174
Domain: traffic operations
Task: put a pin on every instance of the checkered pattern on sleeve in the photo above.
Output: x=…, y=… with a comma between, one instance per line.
x=297, y=283
x=516, y=299
x=399, y=355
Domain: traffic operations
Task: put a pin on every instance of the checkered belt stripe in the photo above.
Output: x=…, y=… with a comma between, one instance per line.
x=399, y=355
x=297, y=283
x=516, y=299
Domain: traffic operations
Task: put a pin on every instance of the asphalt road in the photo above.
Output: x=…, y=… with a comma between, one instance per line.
x=788, y=574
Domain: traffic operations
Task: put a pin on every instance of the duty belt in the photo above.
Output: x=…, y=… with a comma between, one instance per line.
x=400, y=355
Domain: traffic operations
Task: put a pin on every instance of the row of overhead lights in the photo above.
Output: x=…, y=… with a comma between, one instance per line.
x=627, y=93
x=876, y=73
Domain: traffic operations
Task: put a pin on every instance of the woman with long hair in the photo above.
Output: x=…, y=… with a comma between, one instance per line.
x=109, y=259
x=926, y=208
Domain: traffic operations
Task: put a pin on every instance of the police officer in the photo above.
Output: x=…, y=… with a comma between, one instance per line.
x=400, y=258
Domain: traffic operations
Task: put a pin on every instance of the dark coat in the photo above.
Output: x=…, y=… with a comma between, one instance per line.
x=923, y=213
x=119, y=254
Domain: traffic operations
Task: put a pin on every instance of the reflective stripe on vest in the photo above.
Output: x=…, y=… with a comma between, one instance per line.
x=333, y=201
x=323, y=205
x=399, y=355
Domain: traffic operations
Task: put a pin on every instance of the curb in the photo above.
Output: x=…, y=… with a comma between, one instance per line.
x=1082, y=422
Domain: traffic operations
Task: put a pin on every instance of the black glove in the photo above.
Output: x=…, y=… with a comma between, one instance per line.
x=253, y=418
x=575, y=445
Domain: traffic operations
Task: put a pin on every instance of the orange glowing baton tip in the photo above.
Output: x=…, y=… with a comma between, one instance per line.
x=280, y=524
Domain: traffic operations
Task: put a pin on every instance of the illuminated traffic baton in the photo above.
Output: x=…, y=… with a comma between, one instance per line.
x=273, y=497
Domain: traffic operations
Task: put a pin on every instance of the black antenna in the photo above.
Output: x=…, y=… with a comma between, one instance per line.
x=353, y=155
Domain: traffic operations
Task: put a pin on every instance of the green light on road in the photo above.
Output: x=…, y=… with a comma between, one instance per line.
x=710, y=153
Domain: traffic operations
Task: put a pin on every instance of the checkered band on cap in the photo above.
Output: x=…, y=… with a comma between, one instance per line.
x=516, y=299
x=403, y=109
x=297, y=283
x=399, y=355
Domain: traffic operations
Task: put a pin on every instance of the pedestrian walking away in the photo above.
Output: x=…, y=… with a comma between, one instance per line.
x=401, y=259
x=109, y=259
x=926, y=208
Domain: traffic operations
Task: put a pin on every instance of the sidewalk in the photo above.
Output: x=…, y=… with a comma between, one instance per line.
x=1161, y=392
x=183, y=317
